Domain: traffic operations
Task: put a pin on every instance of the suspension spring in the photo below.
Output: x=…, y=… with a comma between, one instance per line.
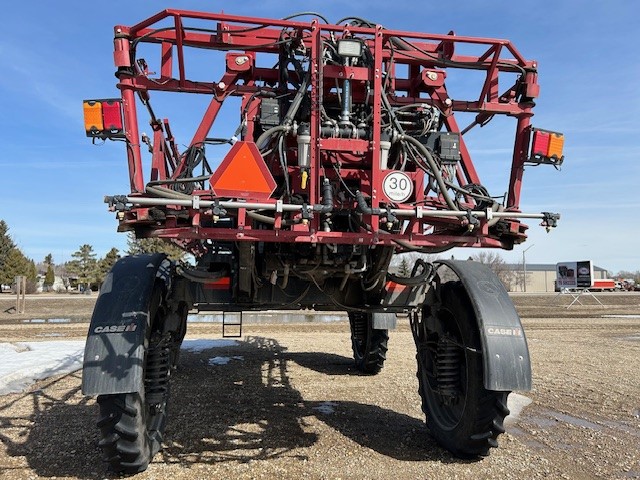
x=448, y=357
x=359, y=321
x=156, y=379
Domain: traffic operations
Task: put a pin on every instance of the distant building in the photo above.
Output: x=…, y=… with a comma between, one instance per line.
x=58, y=284
x=541, y=277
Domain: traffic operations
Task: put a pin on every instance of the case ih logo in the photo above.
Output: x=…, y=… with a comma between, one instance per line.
x=504, y=332
x=115, y=328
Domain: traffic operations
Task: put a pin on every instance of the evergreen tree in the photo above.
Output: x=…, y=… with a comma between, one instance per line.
x=105, y=264
x=32, y=273
x=6, y=245
x=403, y=270
x=16, y=264
x=50, y=277
x=84, y=265
x=137, y=246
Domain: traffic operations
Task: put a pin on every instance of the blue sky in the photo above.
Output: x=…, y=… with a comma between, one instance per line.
x=55, y=54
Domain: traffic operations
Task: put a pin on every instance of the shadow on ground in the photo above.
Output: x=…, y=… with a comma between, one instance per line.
x=242, y=411
x=326, y=363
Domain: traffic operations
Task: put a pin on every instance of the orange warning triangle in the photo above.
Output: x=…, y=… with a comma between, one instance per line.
x=243, y=174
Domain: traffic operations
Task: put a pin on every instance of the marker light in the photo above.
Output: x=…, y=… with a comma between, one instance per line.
x=540, y=143
x=546, y=147
x=556, y=144
x=112, y=116
x=103, y=118
x=93, y=123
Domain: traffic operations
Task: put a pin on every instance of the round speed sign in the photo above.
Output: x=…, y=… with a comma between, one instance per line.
x=397, y=186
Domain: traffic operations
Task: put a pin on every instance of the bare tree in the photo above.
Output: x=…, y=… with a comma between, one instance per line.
x=496, y=263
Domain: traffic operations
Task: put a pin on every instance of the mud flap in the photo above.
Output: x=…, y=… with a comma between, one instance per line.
x=384, y=321
x=506, y=361
x=114, y=352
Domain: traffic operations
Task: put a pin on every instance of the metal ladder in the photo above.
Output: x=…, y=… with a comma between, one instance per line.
x=233, y=320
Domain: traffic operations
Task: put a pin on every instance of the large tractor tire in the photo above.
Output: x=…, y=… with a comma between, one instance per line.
x=132, y=424
x=369, y=344
x=462, y=415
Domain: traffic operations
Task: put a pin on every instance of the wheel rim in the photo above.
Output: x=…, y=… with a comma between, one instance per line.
x=443, y=371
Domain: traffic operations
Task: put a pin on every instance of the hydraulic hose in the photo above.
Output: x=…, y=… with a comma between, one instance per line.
x=434, y=169
x=363, y=207
x=267, y=219
x=166, y=193
x=200, y=276
x=297, y=101
x=327, y=198
x=269, y=133
x=415, y=248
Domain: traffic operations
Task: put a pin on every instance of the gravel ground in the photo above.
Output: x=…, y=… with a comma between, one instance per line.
x=291, y=405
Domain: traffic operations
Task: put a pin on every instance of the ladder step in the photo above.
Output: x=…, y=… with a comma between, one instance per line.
x=231, y=321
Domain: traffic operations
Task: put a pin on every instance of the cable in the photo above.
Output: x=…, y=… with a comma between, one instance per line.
x=201, y=178
x=200, y=276
x=435, y=171
x=400, y=43
x=269, y=133
x=302, y=14
x=166, y=193
x=283, y=164
x=362, y=21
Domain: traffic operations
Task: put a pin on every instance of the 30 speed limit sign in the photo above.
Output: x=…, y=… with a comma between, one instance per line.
x=397, y=186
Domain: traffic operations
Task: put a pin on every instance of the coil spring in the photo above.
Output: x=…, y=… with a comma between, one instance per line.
x=448, y=356
x=359, y=320
x=156, y=379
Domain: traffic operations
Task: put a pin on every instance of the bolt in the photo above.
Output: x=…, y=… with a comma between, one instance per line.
x=433, y=76
x=448, y=102
x=222, y=85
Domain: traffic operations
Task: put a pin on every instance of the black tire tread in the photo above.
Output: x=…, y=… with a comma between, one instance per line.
x=369, y=359
x=124, y=448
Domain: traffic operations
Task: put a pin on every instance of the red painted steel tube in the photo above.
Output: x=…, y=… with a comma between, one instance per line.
x=520, y=150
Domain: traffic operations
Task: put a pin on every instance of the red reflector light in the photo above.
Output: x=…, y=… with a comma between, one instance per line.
x=223, y=283
x=103, y=118
x=540, y=143
x=112, y=115
x=546, y=147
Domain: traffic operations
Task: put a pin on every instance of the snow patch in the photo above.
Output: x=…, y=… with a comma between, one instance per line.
x=223, y=360
x=23, y=363
x=201, y=345
x=200, y=318
x=326, y=408
x=516, y=403
x=48, y=320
